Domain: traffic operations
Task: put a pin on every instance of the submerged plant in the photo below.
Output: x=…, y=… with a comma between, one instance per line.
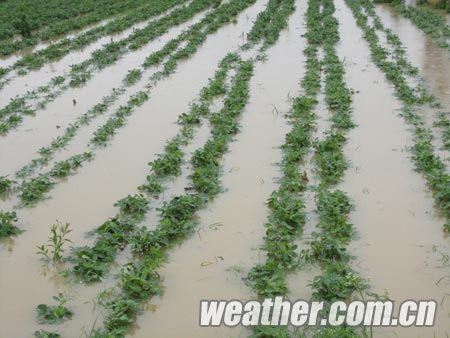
x=46, y=334
x=54, y=314
x=31, y=191
x=6, y=185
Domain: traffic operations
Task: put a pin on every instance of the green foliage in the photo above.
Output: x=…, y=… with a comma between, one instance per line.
x=46, y=334
x=67, y=167
x=54, y=314
x=330, y=159
x=22, y=25
x=7, y=227
x=270, y=332
x=139, y=10
x=132, y=77
x=169, y=163
x=431, y=23
x=6, y=185
x=338, y=282
x=140, y=279
x=31, y=191
x=54, y=249
x=270, y=22
x=424, y=155
x=91, y=263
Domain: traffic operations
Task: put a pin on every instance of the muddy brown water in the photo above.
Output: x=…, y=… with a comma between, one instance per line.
x=211, y=264
x=87, y=198
x=400, y=248
x=21, y=144
x=432, y=61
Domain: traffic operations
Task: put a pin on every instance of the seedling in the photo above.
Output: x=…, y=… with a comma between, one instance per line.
x=54, y=249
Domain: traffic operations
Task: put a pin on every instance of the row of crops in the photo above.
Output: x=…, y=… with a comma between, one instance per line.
x=119, y=261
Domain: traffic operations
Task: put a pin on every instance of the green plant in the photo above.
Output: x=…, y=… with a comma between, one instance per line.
x=396, y=67
x=6, y=185
x=140, y=279
x=54, y=249
x=54, y=314
x=46, y=334
x=7, y=219
x=31, y=191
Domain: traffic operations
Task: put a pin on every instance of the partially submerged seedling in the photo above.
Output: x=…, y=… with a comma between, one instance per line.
x=6, y=186
x=54, y=314
x=53, y=250
x=46, y=334
x=7, y=227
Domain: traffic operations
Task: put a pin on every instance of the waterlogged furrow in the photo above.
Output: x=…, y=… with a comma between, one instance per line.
x=428, y=21
x=134, y=75
x=91, y=263
x=286, y=204
x=33, y=190
x=134, y=13
x=140, y=278
x=13, y=113
x=424, y=154
x=397, y=54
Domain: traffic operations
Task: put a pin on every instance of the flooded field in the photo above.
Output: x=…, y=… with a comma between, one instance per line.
x=179, y=151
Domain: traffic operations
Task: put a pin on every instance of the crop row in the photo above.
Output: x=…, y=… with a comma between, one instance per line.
x=33, y=190
x=56, y=51
x=91, y=263
x=270, y=22
x=140, y=278
x=428, y=21
x=426, y=160
x=329, y=244
x=197, y=110
x=13, y=113
x=286, y=204
x=54, y=17
x=134, y=11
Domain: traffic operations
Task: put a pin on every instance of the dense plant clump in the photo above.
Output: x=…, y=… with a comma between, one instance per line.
x=7, y=227
x=6, y=186
x=271, y=22
x=54, y=314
